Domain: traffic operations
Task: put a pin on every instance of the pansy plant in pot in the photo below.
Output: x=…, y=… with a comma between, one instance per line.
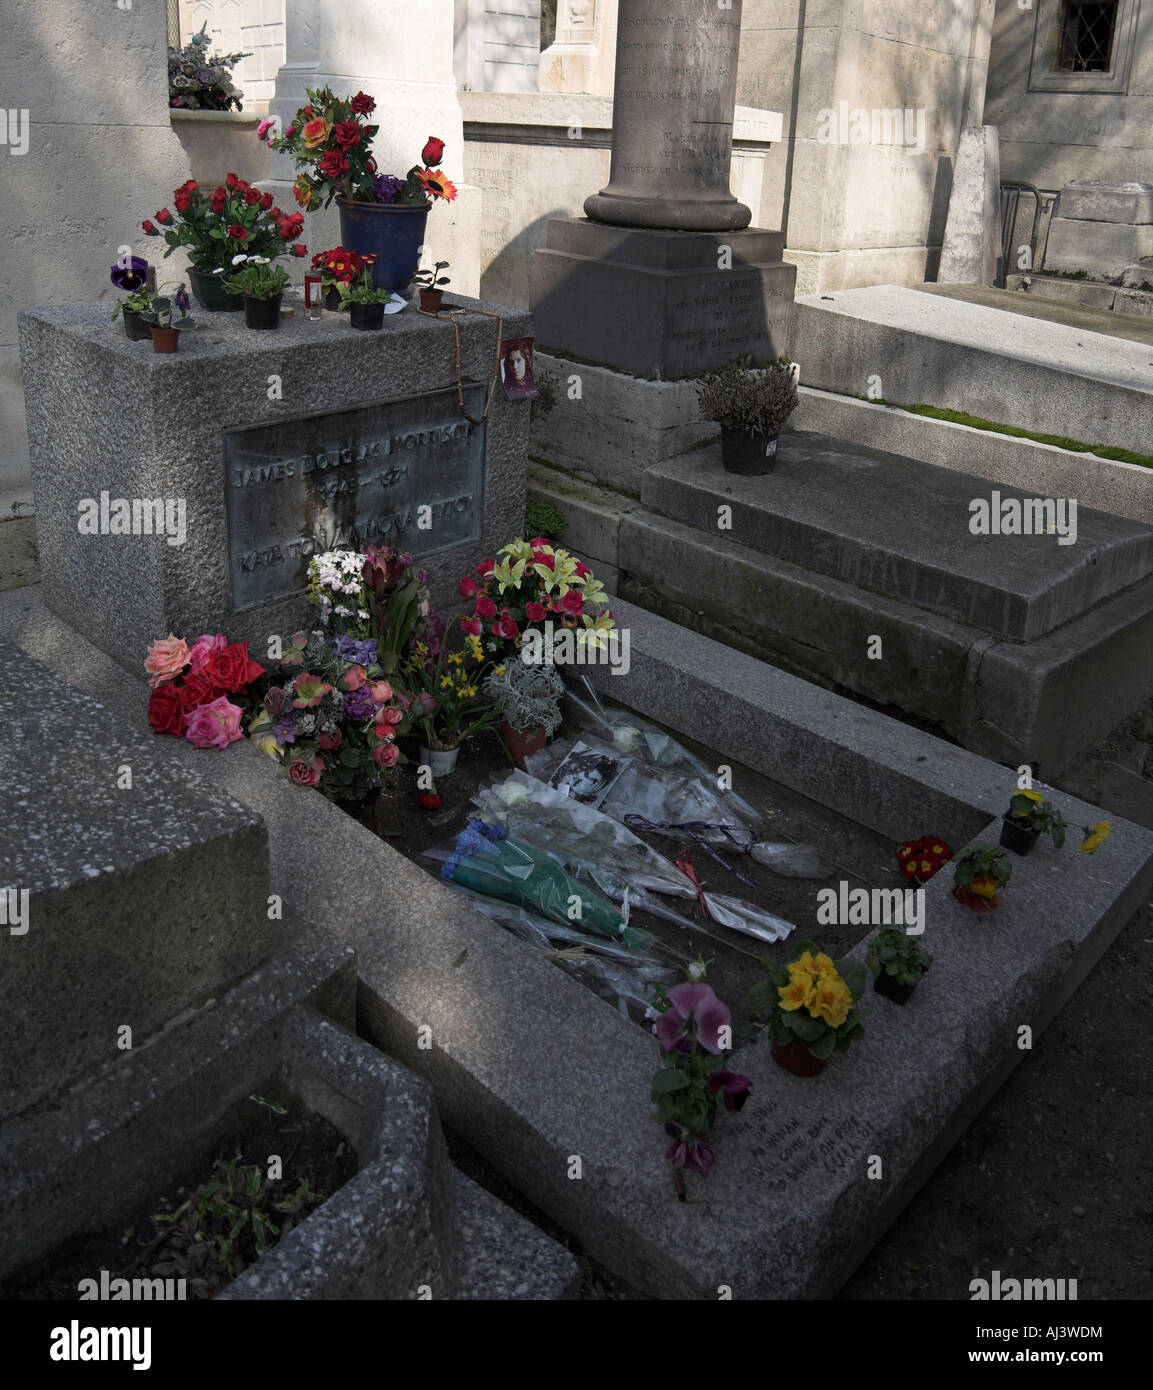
x=262, y=283
x=366, y=304
x=751, y=402
x=215, y=227
x=898, y=963
x=978, y=875
x=131, y=274
x=167, y=316
x=330, y=142
x=1028, y=818
x=694, y=1029
x=810, y=1006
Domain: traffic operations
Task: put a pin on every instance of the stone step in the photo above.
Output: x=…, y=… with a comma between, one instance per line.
x=502, y=1256
x=902, y=528
x=933, y=349
x=1042, y=470
x=146, y=887
x=1090, y=294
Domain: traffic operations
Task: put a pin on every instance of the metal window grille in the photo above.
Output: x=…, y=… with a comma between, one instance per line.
x=172, y=15
x=1087, y=32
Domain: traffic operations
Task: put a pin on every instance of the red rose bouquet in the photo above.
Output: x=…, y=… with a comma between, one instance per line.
x=233, y=220
x=200, y=692
x=330, y=142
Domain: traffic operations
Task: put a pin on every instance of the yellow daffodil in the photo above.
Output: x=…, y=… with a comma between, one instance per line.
x=445, y=682
x=832, y=1002
x=456, y=658
x=474, y=647
x=798, y=993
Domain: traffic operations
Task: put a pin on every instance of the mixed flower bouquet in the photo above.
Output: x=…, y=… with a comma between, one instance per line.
x=445, y=686
x=199, y=83
x=329, y=716
x=376, y=593
x=234, y=219
x=330, y=142
x=694, y=1031
x=528, y=584
x=200, y=692
x=811, y=1000
x=920, y=859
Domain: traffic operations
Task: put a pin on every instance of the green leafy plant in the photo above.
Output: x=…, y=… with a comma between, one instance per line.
x=426, y=279
x=362, y=290
x=811, y=1000
x=1030, y=811
x=898, y=955
x=258, y=278
x=748, y=397
x=542, y=518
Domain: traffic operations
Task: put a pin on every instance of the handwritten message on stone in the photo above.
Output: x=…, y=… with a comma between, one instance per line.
x=406, y=472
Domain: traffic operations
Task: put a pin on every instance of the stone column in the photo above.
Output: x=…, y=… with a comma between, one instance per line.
x=676, y=83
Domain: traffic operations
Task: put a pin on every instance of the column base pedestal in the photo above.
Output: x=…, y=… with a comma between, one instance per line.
x=658, y=303
x=687, y=215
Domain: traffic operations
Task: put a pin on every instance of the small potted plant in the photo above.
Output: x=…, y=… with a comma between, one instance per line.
x=897, y=961
x=810, y=1005
x=366, y=304
x=429, y=283
x=751, y=403
x=337, y=267
x=166, y=317
x=1028, y=818
x=445, y=699
x=134, y=278
x=261, y=283
x=978, y=875
x=528, y=698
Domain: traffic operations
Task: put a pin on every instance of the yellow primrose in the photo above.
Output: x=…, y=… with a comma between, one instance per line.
x=832, y=1002
x=797, y=994
x=826, y=970
x=804, y=963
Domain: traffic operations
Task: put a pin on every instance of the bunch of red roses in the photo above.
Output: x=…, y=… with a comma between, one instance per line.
x=922, y=858
x=191, y=686
x=235, y=218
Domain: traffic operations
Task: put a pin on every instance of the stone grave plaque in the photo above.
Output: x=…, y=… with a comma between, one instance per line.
x=354, y=477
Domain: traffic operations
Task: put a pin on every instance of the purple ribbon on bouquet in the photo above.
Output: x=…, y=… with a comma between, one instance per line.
x=694, y=829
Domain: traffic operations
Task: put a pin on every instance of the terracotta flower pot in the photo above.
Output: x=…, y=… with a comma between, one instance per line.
x=1017, y=837
x=165, y=339
x=887, y=985
x=797, y=1058
x=430, y=300
x=750, y=454
x=521, y=742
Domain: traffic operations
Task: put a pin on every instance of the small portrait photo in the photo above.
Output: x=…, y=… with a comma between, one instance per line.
x=587, y=775
x=516, y=368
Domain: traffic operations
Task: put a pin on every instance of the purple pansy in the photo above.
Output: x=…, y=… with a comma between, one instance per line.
x=689, y=1004
x=131, y=276
x=689, y=1152
x=735, y=1087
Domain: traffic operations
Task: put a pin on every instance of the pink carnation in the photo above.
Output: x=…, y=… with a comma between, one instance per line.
x=215, y=725
x=166, y=658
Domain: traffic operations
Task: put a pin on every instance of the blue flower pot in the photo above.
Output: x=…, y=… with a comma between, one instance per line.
x=392, y=233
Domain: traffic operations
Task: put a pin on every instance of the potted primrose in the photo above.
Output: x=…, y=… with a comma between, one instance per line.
x=977, y=877
x=428, y=283
x=262, y=284
x=166, y=317
x=897, y=961
x=528, y=697
x=810, y=1003
x=1028, y=818
x=751, y=402
x=366, y=304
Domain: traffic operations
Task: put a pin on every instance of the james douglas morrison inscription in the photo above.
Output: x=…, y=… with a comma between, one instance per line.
x=407, y=472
